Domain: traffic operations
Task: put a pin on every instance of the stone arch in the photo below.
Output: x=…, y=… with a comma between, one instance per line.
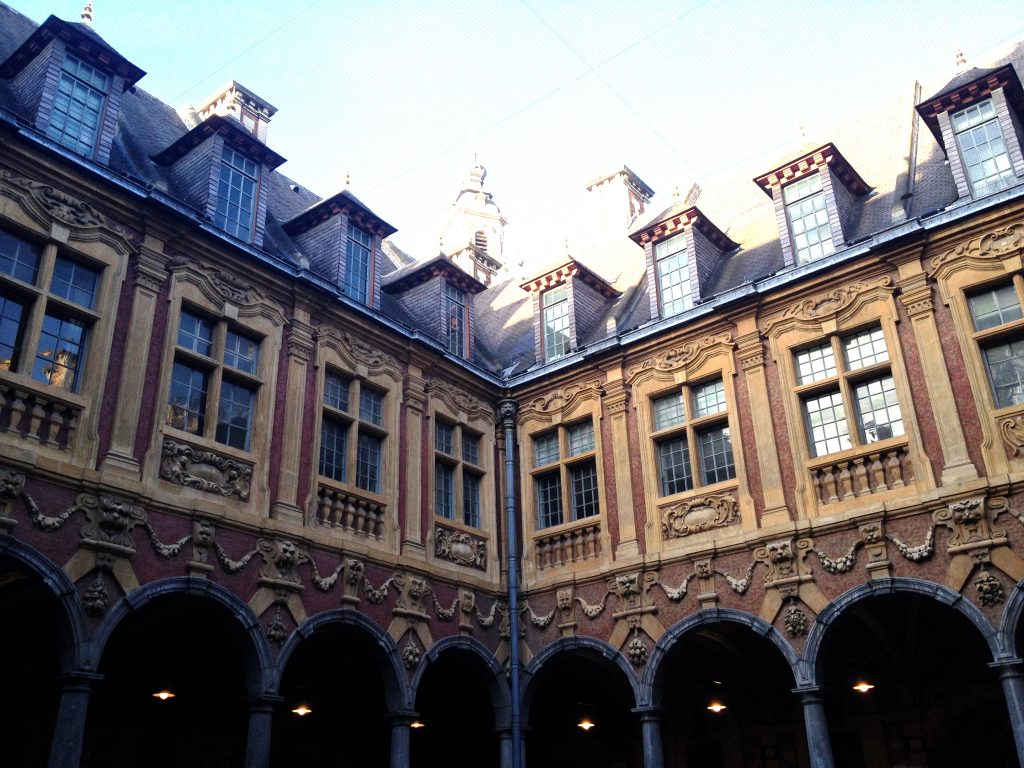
x=397, y=693
x=1010, y=622
x=501, y=697
x=808, y=670
x=260, y=667
x=756, y=624
x=76, y=645
x=575, y=643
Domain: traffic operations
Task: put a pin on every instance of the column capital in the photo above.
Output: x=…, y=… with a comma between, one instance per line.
x=79, y=680
x=404, y=717
x=1008, y=667
x=810, y=694
x=265, y=702
x=647, y=713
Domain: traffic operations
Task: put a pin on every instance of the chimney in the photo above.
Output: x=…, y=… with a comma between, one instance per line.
x=237, y=101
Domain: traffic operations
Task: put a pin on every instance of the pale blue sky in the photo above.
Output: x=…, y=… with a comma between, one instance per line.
x=550, y=93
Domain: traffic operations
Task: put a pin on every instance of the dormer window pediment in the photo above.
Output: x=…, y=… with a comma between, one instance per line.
x=976, y=120
x=815, y=200
x=683, y=249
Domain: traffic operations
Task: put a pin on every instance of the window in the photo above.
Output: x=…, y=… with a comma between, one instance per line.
x=848, y=376
x=44, y=332
x=999, y=331
x=457, y=473
x=357, y=265
x=78, y=106
x=808, y=218
x=673, y=272
x=982, y=148
x=555, y=304
x=455, y=319
x=691, y=429
x=352, y=441
x=214, y=380
x=236, y=194
x=576, y=474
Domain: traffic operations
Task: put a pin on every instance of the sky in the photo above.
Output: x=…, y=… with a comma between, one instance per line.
x=398, y=96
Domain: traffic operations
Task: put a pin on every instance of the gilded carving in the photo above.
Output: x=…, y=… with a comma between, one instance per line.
x=992, y=245
x=699, y=514
x=205, y=470
x=460, y=548
x=681, y=356
x=830, y=303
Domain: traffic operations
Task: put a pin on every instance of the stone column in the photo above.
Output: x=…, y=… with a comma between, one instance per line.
x=400, y=731
x=650, y=734
x=69, y=730
x=819, y=747
x=287, y=505
x=1011, y=674
x=505, y=747
x=616, y=401
x=916, y=296
x=149, y=278
x=257, y=741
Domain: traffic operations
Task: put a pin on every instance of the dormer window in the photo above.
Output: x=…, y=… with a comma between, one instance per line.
x=236, y=194
x=357, y=264
x=807, y=216
x=982, y=148
x=673, y=270
x=455, y=316
x=78, y=106
x=557, y=342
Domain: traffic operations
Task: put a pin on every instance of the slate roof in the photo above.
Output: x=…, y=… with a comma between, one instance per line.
x=877, y=145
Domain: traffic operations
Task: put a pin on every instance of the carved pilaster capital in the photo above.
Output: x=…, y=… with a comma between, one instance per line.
x=616, y=398
x=300, y=340
x=750, y=350
x=150, y=274
x=916, y=295
x=415, y=394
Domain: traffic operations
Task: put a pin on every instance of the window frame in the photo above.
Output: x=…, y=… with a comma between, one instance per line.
x=999, y=334
x=364, y=294
x=78, y=145
x=459, y=467
x=358, y=428
x=234, y=225
x=562, y=305
x=565, y=468
x=456, y=319
x=686, y=250
x=990, y=185
x=827, y=244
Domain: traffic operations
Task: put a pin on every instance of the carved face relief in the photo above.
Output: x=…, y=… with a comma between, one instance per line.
x=467, y=601
x=563, y=599
x=780, y=552
x=11, y=484
x=202, y=533
x=416, y=587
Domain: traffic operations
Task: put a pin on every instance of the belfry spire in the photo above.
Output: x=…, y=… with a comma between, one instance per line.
x=87, y=13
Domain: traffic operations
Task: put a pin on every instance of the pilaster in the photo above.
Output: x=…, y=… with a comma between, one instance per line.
x=414, y=397
x=300, y=349
x=616, y=401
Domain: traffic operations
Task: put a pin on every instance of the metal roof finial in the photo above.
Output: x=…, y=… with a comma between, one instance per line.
x=87, y=13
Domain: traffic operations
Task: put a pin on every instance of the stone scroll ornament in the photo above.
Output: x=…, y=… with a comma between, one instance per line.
x=460, y=548
x=205, y=470
x=697, y=515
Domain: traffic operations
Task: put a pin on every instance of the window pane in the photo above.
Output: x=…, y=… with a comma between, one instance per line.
x=549, y=500
x=1005, y=364
x=672, y=266
x=584, y=491
x=982, y=149
x=368, y=463
x=455, y=315
x=808, y=218
x=236, y=194
x=444, y=438
x=333, y=449
x=864, y=349
x=186, y=403
x=709, y=398
x=668, y=410
x=12, y=323
x=371, y=406
x=716, y=455
x=674, y=463
x=61, y=348
x=470, y=448
x=195, y=333
x=826, y=422
x=74, y=282
x=556, y=323
x=234, y=415
x=18, y=258
x=471, y=499
x=444, y=490
x=878, y=410
x=357, y=265
x=336, y=391
x=241, y=352
x=994, y=307
x=78, y=106
x=815, y=364
x=545, y=449
x=581, y=438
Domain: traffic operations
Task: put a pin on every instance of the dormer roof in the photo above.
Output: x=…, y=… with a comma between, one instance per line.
x=564, y=271
x=248, y=97
x=234, y=134
x=439, y=266
x=676, y=217
x=967, y=88
x=343, y=202
x=80, y=40
x=809, y=162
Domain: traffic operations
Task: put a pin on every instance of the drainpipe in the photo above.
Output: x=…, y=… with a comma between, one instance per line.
x=508, y=409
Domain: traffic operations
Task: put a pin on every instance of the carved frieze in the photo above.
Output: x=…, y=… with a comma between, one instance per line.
x=566, y=398
x=56, y=203
x=460, y=547
x=205, y=470
x=680, y=357
x=992, y=245
x=815, y=309
x=699, y=514
x=456, y=398
x=357, y=351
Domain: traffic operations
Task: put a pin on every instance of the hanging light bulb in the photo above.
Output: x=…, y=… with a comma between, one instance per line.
x=586, y=723
x=163, y=695
x=716, y=707
x=863, y=686
x=417, y=724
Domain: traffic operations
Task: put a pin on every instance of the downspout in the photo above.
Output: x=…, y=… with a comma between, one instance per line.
x=508, y=410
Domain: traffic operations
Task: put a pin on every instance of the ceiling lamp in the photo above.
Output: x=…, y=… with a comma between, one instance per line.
x=586, y=724
x=302, y=710
x=716, y=707
x=163, y=695
x=417, y=724
x=863, y=686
